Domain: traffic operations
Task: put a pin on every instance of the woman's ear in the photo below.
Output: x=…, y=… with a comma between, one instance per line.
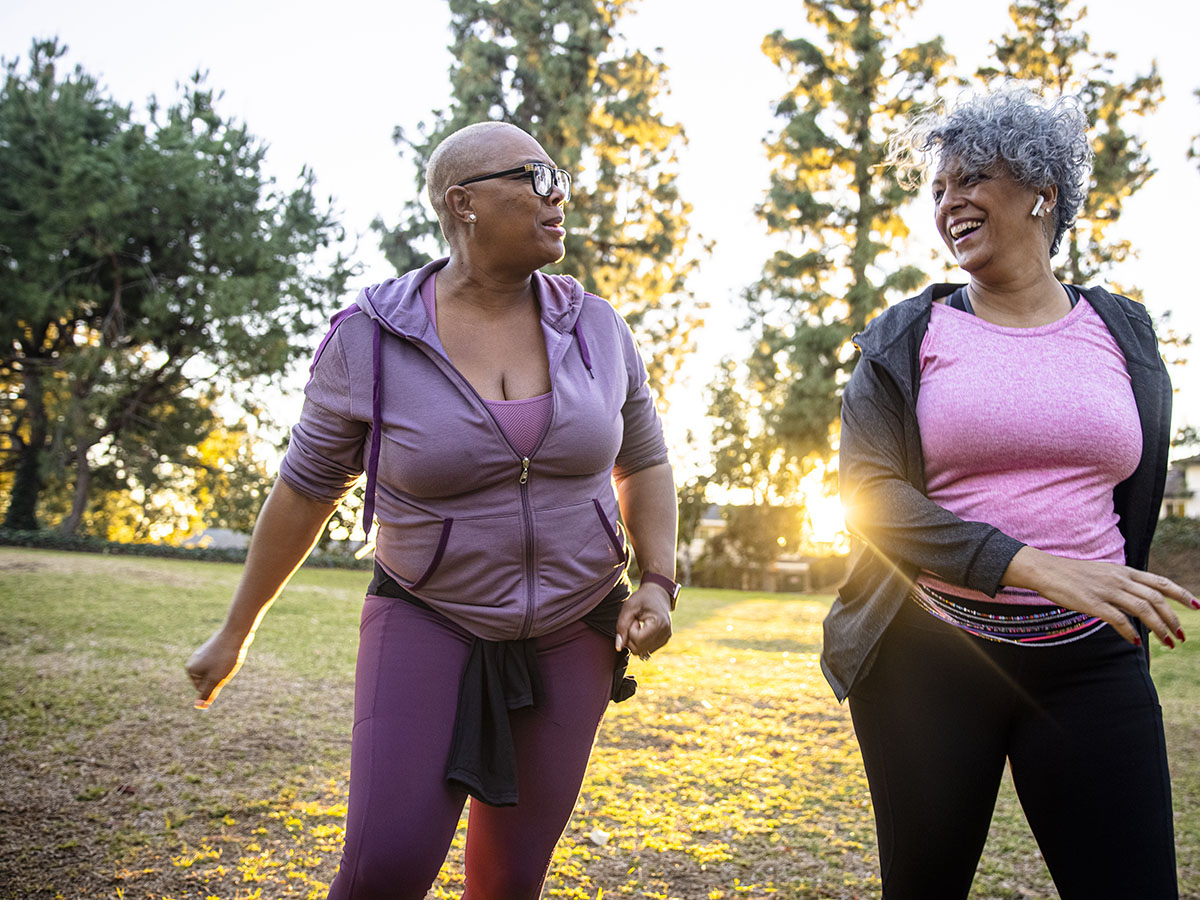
x=459, y=204
x=1047, y=200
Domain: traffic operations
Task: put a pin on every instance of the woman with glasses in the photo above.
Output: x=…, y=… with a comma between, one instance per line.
x=493, y=408
x=1003, y=450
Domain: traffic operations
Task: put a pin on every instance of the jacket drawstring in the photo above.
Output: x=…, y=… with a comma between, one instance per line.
x=376, y=432
x=583, y=348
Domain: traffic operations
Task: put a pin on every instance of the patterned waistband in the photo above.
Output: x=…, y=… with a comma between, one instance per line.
x=1042, y=626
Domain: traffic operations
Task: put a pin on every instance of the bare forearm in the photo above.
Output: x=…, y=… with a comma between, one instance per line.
x=1106, y=590
x=287, y=529
x=650, y=511
x=649, y=508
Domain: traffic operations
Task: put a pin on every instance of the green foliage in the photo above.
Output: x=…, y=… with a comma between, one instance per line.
x=1178, y=534
x=558, y=70
x=1048, y=45
x=1185, y=440
x=142, y=265
x=754, y=537
x=81, y=543
x=835, y=211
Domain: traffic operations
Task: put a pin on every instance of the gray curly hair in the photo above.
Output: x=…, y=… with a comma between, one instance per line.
x=1040, y=142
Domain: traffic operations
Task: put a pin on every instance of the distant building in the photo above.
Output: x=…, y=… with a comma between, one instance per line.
x=219, y=539
x=1181, y=497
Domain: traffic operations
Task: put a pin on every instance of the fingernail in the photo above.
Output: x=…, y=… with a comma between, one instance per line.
x=1170, y=643
x=1195, y=603
x=1179, y=634
x=1137, y=642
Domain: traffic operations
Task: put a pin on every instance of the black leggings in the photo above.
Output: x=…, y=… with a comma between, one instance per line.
x=1080, y=725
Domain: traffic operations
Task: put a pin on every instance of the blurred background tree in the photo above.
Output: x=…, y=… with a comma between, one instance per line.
x=560, y=71
x=834, y=210
x=146, y=268
x=1049, y=45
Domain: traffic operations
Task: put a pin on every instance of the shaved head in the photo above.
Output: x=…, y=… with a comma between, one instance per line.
x=461, y=155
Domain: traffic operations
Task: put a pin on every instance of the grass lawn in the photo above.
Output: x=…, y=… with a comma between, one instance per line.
x=732, y=774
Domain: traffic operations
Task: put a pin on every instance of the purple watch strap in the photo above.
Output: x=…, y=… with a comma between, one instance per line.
x=671, y=587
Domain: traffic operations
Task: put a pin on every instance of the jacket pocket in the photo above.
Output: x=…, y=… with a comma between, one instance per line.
x=438, y=553
x=578, y=546
x=613, y=537
x=470, y=560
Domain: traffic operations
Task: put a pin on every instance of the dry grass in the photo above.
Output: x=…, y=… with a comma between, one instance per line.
x=732, y=774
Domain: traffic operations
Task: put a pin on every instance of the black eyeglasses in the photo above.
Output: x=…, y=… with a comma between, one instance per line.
x=543, y=177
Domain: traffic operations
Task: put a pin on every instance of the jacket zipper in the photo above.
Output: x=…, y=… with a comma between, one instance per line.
x=527, y=515
x=467, y=388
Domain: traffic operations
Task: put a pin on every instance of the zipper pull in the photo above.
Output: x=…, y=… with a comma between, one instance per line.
x=524, y=469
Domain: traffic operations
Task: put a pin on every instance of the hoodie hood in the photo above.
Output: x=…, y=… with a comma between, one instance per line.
x=396, y=303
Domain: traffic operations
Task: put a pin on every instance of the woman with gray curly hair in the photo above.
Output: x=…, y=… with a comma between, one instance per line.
x=1003, y=451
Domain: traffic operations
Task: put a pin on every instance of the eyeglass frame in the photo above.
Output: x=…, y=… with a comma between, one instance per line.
x=529, y=169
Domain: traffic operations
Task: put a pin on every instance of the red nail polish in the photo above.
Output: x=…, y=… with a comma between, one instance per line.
x=1137, y=641
x=1196, y=604
x=1179, y=634
x=1170, y=643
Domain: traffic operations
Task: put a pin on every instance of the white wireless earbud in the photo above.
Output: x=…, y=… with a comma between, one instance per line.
x=1038, y=206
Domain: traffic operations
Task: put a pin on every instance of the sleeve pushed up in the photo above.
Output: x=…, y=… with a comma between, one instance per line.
x=325, y=455
x=643, y=444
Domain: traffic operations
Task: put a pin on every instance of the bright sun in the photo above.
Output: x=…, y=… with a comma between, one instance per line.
x=824, y=510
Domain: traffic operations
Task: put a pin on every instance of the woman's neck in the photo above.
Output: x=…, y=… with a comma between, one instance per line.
x=485, y=294
x=1036, y=299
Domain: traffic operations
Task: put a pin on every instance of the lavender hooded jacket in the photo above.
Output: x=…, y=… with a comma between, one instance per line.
x=506, y=546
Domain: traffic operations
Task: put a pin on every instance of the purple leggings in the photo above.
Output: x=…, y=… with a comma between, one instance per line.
x=402, y=814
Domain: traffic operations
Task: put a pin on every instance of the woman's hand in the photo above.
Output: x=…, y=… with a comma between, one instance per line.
x=1105, y=590
x=215, y=662
x=285, y=532
x=645, y=621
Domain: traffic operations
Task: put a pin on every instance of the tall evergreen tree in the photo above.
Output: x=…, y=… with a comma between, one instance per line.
x=835, y=210
x=144, y=268
x=559, y=70
x=1048, y=44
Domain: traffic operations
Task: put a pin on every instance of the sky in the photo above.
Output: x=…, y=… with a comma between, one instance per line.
x=325, y=84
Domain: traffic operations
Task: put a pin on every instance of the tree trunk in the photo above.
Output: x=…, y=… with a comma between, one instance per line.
x=27, y=480
x=83, y=486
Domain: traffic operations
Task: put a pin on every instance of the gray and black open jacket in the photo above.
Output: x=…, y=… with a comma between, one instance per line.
x=898, y=531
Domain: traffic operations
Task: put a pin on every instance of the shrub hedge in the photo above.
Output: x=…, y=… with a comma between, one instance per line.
x=53, y=540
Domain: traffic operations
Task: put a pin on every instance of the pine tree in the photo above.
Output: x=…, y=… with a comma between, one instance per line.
x=1049, y=45
x=835, y=210
x=144, y=266
x=558, y=70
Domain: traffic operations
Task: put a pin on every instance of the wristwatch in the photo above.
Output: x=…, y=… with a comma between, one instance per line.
x=671, y=587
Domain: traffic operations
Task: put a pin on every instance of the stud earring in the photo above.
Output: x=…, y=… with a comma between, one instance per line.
x=1038, y=206
x=471, y=217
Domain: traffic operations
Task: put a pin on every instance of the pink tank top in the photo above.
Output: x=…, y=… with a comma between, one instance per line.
x=1029, y=430
x=523, y=422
